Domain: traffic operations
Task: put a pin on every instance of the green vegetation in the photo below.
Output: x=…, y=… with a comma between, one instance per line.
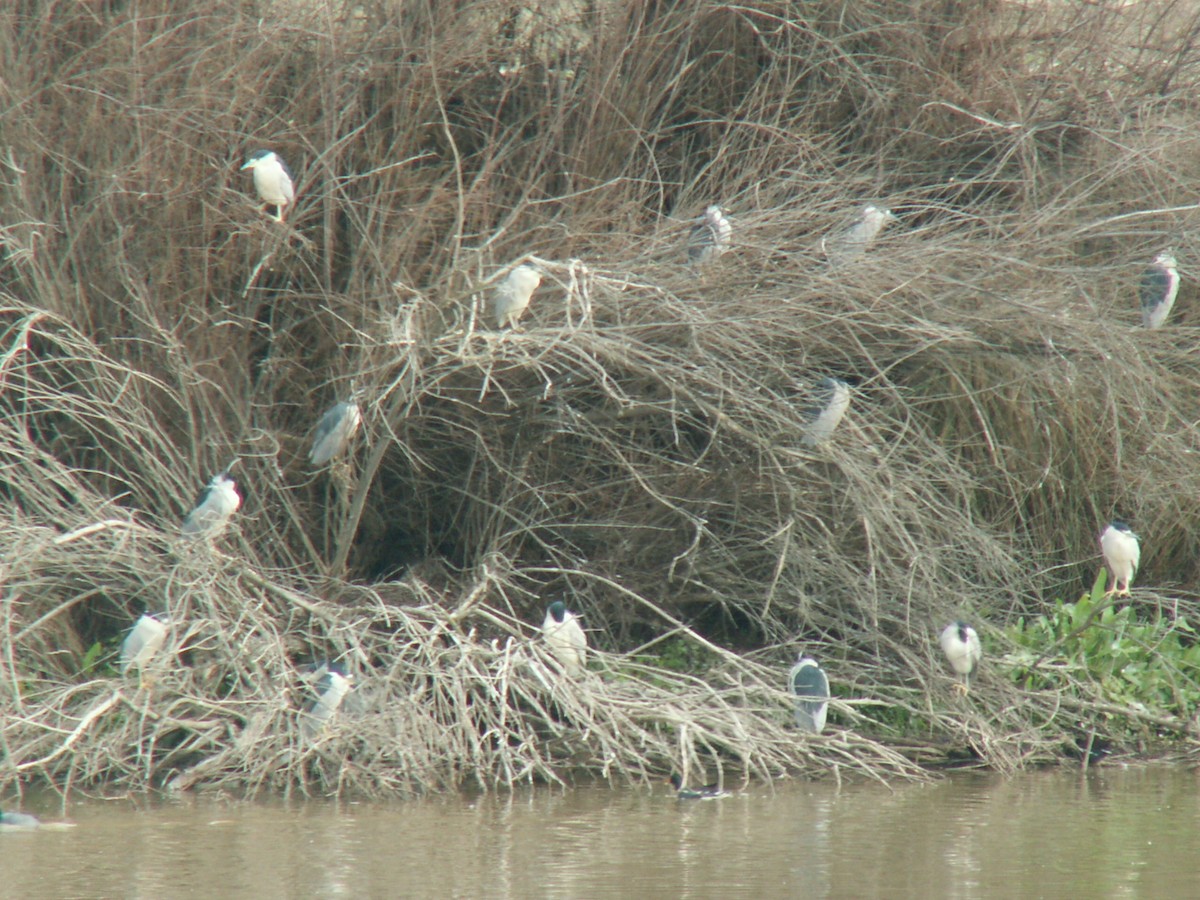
x=1095, y=648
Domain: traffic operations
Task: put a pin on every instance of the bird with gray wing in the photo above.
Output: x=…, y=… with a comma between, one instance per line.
x=565, y=637
x=963, y=650
x=1122, y=552
x=855, y=240
x=214, y=508
x=709, y=237
x=143, y=642
x=273, y=181
x=511, y=296
x=332, y=688
x=15, y=821
x=334, y=432
x=832, y=399
x=1160, y=285
x=708, y=792
x=810, y=686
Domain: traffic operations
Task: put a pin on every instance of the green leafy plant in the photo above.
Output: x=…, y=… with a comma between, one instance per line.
x=92, y=657
x=1093, y=647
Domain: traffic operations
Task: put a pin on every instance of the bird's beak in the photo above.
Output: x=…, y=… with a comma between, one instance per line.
x=248, y=164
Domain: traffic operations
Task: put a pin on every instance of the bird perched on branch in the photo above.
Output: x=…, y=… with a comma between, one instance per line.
x=215, y=506
x=332, y=688
x=708, y=792
x=334, y=431
x=709, y=237
x=832, y=399
x=272, y=181
x=565, y=638
x=810, y=686
x=143, y=642
x=1122, y=552
x=511, y=297
x=1160, y=284
x=961, y=645
x=15, y=821
x=855, y=240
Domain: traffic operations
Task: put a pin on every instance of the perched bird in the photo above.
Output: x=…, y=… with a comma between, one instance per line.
x=823, y=416
x=708, y=792
x=810, y=686
x=337, y=426
x=512, y=295
x=1122, y=553
x=272, y=181
x=144, y=640
x=11, y=821
x=855, y=240
x=709, y=237
x=331, y=690
x=1160, y=284
x=565, y=638
x=214, y=507
x=961, y=645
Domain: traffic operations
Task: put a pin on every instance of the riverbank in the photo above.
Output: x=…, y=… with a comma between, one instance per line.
x=642, y=445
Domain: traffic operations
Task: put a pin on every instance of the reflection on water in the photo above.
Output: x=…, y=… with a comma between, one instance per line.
x=1113, y=833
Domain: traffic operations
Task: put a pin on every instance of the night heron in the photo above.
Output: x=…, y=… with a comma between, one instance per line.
x=832, y=400
x=709, y=237
x=1122, y=553
x=708, y=792
x=15, y=821
x=272, y=181
x=512, y=295
x=855, y=240
x=565, y=638
x=337, y=426
x=144, y=640
x=961, y=645
x=810, y=686
x=1160, y=284
x=332, y=688
x=215, y=506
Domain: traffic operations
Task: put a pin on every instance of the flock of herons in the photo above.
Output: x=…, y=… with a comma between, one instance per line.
x=710, y=237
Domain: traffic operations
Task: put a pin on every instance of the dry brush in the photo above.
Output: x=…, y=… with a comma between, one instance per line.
x=635, y=449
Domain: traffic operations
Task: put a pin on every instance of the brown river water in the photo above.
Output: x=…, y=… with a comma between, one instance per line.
x=1112, y=833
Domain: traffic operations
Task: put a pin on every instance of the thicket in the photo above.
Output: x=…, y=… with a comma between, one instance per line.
x=634, y=450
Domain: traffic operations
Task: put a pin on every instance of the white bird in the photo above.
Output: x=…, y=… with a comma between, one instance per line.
x=833, y=399
x=855, y=240
x=272, y=181
x=709, y=237
x=215, y=506
x=512, y=295
x=335, y=430
x=331, y=690
x=810, y=686
x=1122, y=553
x=961, y=645
x=565, y=638
x=1160, y=285
x=142, y=643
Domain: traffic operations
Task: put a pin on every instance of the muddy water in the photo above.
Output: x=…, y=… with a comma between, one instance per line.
x=1114, y=833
